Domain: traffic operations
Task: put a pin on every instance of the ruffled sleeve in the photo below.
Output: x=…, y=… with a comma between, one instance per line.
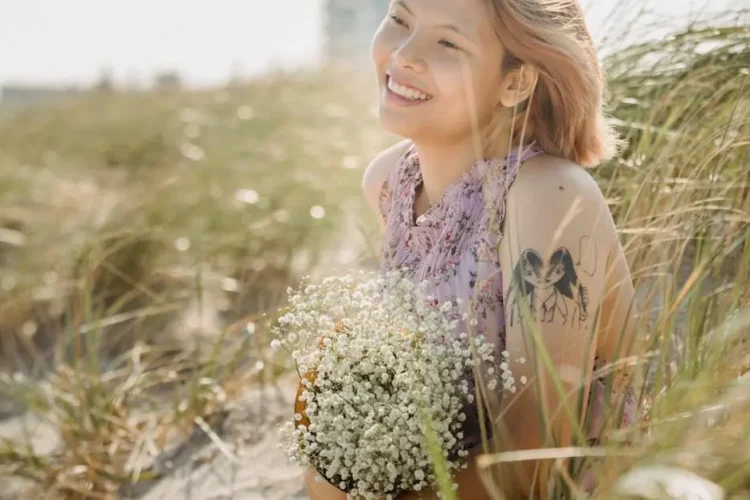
x=392, y=187
x=386, y=195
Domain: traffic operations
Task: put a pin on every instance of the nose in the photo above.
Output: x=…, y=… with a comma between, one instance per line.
x=408, y=55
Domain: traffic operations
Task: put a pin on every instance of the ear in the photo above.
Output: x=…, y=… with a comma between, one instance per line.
x=518, y=85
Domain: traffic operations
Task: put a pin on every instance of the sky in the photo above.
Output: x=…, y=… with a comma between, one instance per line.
x=45, y=41
x=72, y=41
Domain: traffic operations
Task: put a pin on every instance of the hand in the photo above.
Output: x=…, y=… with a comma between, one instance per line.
x=320, y=489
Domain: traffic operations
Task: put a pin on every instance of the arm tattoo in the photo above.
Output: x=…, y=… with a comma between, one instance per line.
x=588, y=254
x=552, y=291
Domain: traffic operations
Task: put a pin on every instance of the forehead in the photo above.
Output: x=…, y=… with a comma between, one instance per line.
x=472, y=17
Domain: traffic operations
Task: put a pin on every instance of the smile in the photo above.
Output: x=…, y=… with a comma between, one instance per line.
x=405, y=91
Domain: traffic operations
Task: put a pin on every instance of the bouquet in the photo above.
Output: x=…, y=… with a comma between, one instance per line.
x=384, y=380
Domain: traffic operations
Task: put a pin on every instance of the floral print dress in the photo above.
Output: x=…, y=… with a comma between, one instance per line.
x=453, y=247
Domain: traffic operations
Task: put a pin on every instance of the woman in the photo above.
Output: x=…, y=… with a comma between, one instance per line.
x=501, y=105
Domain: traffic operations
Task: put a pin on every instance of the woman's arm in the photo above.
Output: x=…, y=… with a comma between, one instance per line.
x=617, y=328
x=558, y=236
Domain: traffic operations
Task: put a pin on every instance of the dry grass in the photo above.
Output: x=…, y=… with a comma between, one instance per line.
x=680, y=194
x=144, y=238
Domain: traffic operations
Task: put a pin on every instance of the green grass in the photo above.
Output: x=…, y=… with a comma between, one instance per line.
x=119, y=212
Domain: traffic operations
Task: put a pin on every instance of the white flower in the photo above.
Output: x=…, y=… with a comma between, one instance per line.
x=398, y=357
x=275, y=344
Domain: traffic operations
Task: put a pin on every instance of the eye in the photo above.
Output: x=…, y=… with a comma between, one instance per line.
x=397, y=20
x=449, y=45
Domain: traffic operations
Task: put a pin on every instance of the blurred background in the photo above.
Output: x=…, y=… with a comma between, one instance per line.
x=49, y=44
x=169, y=168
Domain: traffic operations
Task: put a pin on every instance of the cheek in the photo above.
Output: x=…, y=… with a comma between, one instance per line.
x=487, y=93
x=453, y=81
x=465, y=91
x=453, y=77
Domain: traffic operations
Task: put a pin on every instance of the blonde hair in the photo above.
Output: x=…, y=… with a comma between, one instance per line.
x=565, y=113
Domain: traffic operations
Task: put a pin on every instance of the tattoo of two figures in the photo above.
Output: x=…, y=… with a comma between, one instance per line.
x=552, y=291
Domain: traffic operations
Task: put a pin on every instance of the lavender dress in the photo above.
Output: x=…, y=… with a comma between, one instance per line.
x=453, y=247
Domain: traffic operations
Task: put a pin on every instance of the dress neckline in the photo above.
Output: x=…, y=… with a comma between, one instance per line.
x=472, y=175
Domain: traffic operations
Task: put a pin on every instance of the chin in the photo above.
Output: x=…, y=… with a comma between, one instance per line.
x=398, y=124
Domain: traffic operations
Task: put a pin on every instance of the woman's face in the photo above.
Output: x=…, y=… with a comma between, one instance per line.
x=438, y=68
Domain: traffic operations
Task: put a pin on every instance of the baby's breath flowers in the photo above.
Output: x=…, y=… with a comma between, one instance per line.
x=378, y=361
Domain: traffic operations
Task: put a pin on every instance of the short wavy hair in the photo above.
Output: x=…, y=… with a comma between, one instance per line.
x=565, y=112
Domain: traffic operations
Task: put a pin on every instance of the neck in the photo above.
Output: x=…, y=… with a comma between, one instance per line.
x=443, y=163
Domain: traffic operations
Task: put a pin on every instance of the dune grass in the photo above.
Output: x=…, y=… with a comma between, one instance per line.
x=144, y=237
x=679, y=194
x=146, y=240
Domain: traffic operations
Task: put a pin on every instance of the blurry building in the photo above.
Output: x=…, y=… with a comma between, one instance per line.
x=22, y=95
x=168, y=80
x=349, y=27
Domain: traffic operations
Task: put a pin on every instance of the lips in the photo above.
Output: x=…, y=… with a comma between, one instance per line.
x=406, y=90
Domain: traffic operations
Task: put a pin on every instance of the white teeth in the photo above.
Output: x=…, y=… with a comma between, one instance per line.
x=406, y=92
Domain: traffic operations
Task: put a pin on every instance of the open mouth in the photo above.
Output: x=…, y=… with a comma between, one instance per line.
x=406, y=92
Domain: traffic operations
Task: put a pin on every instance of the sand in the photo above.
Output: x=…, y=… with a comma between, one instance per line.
x=244, y=463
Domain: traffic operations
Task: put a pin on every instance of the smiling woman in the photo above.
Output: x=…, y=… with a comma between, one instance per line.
x=432, y=54
x=463, y=206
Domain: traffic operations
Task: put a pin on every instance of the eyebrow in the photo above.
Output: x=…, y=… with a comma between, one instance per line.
x=450, y=27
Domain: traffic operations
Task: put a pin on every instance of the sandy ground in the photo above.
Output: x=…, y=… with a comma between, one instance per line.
x=246, y=464
x=253, y=468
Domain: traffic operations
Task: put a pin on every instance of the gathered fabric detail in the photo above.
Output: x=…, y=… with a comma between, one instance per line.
x=432, y=245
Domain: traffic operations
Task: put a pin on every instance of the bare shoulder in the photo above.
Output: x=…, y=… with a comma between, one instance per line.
x=378, y=171
x=548, y=187
x=557, y=203
x=545, y=173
